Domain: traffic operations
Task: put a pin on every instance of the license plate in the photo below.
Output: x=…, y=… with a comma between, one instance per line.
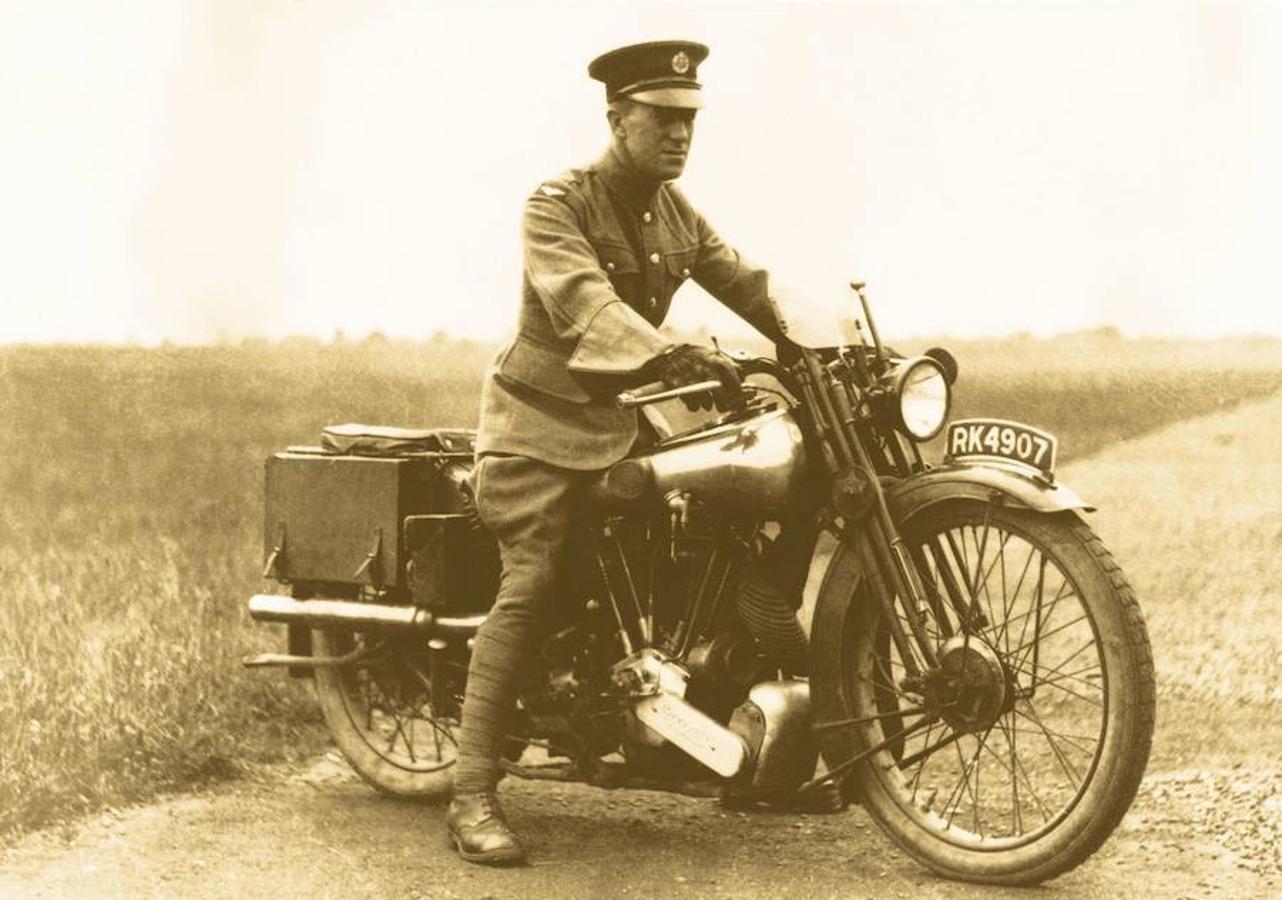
x=1000, y=439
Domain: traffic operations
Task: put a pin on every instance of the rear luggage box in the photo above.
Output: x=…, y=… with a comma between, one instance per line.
x=386, y=515
x=338, y=518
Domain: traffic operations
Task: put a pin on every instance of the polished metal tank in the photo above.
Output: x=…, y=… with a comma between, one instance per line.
x=756, y=465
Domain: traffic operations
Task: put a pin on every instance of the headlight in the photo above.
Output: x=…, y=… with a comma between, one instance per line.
x=921, y=389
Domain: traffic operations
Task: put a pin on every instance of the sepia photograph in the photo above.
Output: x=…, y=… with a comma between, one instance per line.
x=612, y=449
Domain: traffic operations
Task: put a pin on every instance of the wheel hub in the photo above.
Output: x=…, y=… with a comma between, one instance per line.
x=969, y=688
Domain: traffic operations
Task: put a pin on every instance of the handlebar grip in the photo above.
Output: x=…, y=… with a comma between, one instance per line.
x=657, y=391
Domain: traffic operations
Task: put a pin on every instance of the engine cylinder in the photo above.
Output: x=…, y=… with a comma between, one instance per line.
x=773, y=623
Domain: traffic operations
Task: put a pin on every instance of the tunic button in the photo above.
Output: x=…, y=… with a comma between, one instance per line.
x=654, y=258
x=609, y=267
x=685, y=273
x=654, y=302
x=646, y=217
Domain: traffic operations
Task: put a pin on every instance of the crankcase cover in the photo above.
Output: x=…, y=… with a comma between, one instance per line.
x=775, y=724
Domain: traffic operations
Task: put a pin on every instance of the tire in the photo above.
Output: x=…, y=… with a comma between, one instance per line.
x=381, y=719
x=1024, y=755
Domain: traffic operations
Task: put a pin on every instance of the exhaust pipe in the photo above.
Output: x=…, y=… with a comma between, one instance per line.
x=322, y=612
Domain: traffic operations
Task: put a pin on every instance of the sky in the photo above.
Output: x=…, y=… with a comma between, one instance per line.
x=200, y=170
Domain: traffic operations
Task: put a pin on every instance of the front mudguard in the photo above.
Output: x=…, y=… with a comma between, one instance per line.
x=910, y=496
x=845, y=579
x=981, y=482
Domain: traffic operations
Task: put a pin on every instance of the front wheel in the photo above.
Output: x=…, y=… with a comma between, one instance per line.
x=1013, y=757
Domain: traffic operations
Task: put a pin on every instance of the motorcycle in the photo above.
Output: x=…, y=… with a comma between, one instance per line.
x=977, y=672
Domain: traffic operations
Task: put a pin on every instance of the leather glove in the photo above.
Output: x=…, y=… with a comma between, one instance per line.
x=688, y=364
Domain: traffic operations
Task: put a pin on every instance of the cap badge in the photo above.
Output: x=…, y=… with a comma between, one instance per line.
x=681, y=63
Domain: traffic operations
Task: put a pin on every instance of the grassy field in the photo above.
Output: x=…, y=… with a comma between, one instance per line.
x=130, y=527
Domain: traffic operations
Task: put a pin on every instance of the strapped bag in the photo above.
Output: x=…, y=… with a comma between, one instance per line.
x=387, y=440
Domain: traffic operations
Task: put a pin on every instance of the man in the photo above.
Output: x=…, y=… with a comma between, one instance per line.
x=606, y=247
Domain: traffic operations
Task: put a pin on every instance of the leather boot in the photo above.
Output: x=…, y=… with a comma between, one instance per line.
x=479, y=830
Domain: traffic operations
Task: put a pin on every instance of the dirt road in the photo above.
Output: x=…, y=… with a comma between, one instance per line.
x=323, y=834
x=1206, y=821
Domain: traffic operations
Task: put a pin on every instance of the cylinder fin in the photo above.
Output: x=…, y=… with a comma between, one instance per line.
x=773, y=624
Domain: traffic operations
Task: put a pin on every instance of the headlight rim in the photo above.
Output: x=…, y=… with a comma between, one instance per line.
x=902, y=373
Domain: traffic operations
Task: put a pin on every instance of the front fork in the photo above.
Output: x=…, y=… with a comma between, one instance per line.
x=881, y=550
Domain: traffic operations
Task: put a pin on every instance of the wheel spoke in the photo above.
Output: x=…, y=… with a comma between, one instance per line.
x=862, y=720
x=979, y=555
x=956, y=794
x=839, y=773
x=1028, y=781
x=916, y=779
x=1003, y=634
x=1017, y=818
x=1069, y=769
x=926, y=752
x=983, y=576
x=436, y=736
x=399, y=731
x=1056, y=685
x=1076, y=675
x=963, y=787
x=1023, y=617
x=1035, y=612
x=1069, y=739
x=369, y=703
x=967, y=767
x=888, y=681
x=1054, y=631
x=1090, y=642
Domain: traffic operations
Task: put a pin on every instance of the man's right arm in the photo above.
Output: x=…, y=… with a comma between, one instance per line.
x=615, y=347
x=610, y=337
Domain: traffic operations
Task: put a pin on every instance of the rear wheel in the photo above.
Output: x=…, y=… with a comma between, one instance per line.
x=1015, y=757
x=379, y=709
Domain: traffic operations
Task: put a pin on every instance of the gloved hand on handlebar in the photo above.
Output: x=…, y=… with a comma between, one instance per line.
x=688, y=364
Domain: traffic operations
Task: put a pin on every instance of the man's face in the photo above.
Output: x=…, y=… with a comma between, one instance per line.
x=657, y=138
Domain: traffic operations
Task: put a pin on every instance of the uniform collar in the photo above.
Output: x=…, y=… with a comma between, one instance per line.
x=624, y=181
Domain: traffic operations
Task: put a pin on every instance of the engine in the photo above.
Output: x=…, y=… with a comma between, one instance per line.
x=687, y=606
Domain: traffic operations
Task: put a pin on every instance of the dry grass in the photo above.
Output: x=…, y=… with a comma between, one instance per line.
x=130, y=538
x=130, y=529
x=1094, y=389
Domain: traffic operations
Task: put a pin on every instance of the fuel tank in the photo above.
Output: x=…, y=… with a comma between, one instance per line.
x=755, y=465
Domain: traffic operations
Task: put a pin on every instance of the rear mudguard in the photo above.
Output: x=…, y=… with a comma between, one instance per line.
x=844, y=573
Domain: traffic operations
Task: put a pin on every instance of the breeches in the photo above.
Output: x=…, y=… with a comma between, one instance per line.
x=529, y=507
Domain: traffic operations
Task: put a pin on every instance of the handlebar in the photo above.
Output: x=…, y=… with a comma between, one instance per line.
x=657, y=391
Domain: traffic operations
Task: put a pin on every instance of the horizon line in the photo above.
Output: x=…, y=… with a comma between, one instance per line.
x=340, y=338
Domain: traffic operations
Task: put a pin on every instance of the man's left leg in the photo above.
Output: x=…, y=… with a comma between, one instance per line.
x=527, y=505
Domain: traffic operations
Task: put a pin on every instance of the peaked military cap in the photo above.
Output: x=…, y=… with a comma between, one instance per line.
x=658, y=73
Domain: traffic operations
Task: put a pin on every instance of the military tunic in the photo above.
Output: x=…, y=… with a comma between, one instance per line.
x=603, y=257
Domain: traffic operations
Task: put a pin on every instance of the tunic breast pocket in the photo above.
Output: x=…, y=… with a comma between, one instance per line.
x=623, y=270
